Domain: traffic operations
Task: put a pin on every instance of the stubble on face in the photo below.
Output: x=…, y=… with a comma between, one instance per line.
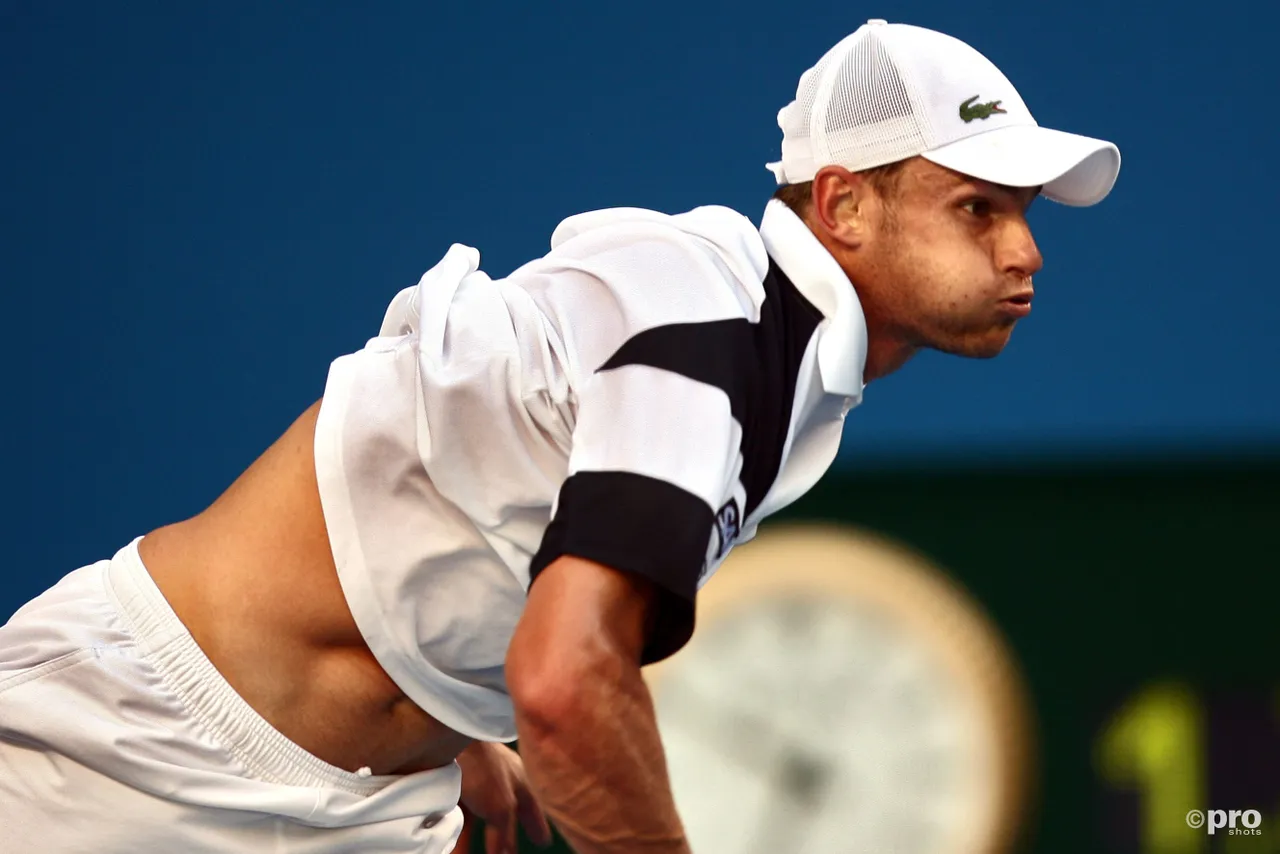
x=931, y=275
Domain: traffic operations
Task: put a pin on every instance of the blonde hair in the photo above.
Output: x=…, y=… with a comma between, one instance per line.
x=799, y=197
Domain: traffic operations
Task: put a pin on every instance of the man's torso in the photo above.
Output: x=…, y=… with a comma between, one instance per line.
x=448, y=441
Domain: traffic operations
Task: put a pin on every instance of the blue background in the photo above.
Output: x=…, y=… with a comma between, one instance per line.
x=203, y=204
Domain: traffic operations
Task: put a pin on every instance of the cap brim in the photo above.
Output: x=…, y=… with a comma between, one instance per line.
x=1072, y=169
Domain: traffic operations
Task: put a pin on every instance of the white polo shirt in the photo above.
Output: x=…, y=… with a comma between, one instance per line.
x=642, y=396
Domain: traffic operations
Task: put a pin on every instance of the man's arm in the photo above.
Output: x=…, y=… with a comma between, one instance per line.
x=584, y=716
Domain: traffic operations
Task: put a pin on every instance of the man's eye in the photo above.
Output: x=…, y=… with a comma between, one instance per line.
x=978, y=207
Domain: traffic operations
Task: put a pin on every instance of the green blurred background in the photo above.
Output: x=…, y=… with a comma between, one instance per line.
x=1136, y=594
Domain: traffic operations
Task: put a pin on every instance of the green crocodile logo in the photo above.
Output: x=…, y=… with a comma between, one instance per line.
x=970, y=111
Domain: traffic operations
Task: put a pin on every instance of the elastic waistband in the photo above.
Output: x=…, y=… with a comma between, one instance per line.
x=266, y=753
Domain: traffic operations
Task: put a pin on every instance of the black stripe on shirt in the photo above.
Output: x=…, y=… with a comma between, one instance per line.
x=755, y=364
x=639, y=524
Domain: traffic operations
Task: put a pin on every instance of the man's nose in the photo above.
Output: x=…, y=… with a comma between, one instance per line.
x=1019, y=254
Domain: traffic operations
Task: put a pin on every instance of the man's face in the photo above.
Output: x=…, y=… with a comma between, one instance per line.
x=946, y=262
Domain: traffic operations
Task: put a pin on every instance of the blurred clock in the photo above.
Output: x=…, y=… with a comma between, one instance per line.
x=841, y=696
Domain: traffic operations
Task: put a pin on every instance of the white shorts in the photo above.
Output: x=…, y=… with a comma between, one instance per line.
x=118, y=735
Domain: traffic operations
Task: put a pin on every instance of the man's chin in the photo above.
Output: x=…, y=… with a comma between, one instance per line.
x=985, y=345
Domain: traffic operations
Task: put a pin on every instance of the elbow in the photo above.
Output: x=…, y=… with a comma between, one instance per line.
x=556, y=692
x=574, y=658
x=544, y=707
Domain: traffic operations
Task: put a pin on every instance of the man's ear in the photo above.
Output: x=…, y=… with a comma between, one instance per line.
x=843, y=206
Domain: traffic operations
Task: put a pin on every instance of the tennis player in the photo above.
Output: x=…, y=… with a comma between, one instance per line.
x=505, y=503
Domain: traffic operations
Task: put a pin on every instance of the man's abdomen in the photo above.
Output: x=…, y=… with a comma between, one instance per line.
x=253, y=579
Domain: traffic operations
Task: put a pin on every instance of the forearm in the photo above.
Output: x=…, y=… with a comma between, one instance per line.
x=596, y=765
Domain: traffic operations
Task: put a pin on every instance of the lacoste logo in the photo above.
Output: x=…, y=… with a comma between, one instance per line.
x=970, y=111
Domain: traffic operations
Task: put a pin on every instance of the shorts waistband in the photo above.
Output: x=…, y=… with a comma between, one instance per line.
x=159, y=633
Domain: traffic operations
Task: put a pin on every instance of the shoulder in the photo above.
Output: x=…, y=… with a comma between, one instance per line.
x=698, y=249
x=723, y=228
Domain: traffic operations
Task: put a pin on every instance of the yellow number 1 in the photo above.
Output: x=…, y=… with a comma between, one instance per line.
x=1155, y=743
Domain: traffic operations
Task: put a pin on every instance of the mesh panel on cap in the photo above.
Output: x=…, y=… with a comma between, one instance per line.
x=852, y=108
x=794, y=120
x=869, y=117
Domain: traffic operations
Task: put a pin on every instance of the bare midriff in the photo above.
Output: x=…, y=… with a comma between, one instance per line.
x=253, y=579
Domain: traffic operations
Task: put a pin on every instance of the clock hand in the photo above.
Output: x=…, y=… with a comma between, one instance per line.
x=802, y=783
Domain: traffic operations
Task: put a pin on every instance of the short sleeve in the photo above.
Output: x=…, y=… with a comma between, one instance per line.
x=654, y=456
x=656, y=449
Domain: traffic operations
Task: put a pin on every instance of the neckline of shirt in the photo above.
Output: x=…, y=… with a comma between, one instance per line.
x=842, y=343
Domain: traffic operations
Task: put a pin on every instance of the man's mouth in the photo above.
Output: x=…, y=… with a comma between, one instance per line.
x=1018, y=305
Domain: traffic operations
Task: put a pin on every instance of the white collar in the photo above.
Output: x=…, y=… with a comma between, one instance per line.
x=842, y=345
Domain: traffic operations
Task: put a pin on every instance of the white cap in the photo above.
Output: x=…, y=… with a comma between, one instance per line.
x=892, y=91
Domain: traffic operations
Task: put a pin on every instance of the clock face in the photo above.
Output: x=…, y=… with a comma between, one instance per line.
x=800, y=720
